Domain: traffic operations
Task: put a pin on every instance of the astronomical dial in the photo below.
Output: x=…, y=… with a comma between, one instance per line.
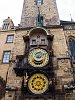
x=38, y=57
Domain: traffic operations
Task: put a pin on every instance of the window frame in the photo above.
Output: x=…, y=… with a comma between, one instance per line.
x=4, y=62
x=7, y=40
x=33, y=40
x=39, y=2
x=43, y=42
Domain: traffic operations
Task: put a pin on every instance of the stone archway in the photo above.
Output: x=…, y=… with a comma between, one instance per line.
x=2, y=87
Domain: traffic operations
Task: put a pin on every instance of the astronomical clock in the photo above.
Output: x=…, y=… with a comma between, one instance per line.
x=38, y=81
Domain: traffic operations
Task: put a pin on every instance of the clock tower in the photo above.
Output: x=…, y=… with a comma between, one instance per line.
x=48, y=13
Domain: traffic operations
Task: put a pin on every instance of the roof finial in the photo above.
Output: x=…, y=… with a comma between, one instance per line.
x=71, y=18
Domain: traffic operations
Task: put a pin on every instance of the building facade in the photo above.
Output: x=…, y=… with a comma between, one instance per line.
x=37, y=57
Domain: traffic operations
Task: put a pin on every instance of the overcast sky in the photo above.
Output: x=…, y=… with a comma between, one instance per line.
x=13, y=9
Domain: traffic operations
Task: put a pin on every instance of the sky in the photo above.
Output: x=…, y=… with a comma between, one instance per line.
x=13, y=9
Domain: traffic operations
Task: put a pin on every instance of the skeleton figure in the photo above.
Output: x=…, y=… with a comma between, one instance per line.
x=25, y=80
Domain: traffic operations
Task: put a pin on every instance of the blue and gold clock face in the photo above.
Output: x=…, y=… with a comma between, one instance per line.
x=38, y=57
x=38, y=83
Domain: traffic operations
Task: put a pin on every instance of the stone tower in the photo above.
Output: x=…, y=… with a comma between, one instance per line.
x=47, y=9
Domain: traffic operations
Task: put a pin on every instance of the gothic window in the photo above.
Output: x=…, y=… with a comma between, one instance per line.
x=10, y=38
x=6, y=56
x=72, y=47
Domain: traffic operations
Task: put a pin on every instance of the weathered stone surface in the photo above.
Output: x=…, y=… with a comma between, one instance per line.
x=48, y=10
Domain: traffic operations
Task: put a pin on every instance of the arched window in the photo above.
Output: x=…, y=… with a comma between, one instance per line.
x=72, y=46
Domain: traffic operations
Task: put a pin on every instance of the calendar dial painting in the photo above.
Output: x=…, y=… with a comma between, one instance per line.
x=38, y=83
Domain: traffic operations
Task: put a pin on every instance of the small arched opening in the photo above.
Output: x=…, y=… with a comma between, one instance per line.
x=38, y=36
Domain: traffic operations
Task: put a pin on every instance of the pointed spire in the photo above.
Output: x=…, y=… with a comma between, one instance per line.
x=71, y=18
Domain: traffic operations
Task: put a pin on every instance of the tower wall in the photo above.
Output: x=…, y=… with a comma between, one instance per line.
x=48, y=9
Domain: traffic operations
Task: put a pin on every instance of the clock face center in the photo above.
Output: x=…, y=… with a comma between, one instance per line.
x=38, y=55
x=38, y=83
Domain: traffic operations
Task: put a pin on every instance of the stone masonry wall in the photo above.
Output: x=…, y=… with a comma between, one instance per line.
x=5, y=47
x=48, y=10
